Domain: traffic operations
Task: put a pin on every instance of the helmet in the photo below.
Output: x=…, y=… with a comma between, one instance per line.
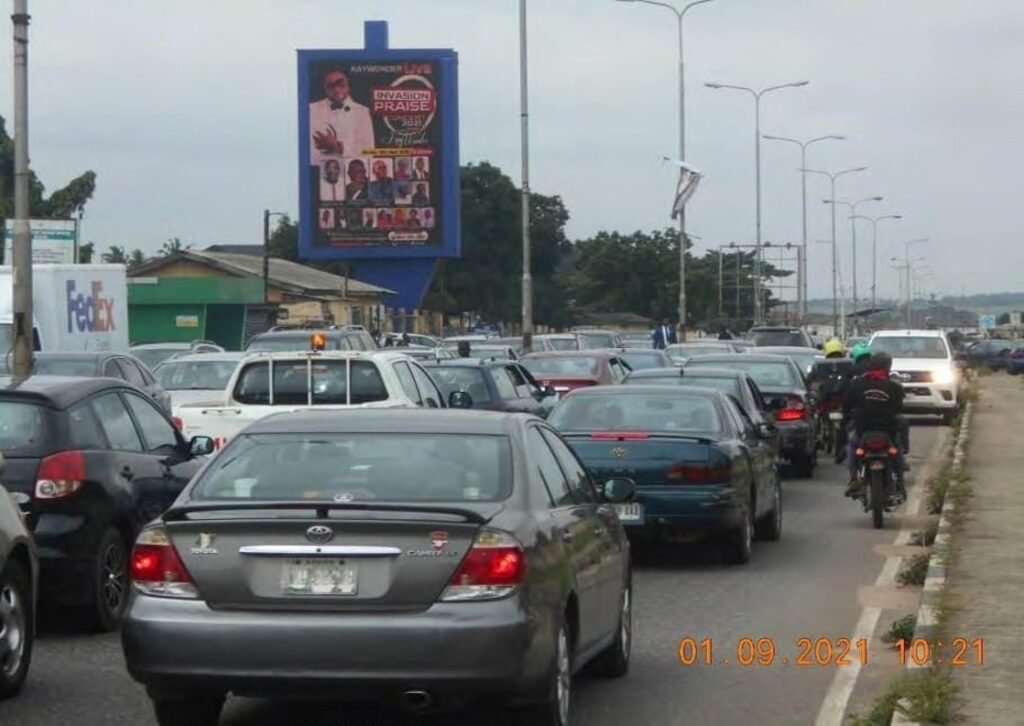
x=881, y=360
x=834, y=348
x=860, y=351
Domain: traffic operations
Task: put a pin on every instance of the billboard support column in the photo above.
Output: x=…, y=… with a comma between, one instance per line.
x=525, y=132
x=21, y=259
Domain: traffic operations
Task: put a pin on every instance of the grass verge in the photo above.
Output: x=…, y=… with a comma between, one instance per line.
x=901, y=630
x=914, y=571
x=926, y=537
x=923, y=697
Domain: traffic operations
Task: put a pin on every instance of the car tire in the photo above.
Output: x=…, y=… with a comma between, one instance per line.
x=613, y=662
x=193, y=710
x=948, y=418
x=737, y=546
x=769, y=527
x=556, y=707
x=17, y=629
x=110, y=581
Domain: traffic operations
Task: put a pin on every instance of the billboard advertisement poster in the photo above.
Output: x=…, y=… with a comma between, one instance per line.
x=378, y=154
x=54, y=241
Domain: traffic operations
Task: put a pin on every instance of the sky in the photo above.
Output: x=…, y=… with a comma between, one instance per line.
x=186, y=111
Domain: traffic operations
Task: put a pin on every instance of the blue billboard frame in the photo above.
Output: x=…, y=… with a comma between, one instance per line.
x=377, y=50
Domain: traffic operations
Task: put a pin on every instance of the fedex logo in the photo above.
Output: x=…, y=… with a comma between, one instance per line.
x=89, y=313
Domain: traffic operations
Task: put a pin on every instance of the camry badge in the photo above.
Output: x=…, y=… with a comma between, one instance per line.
x=619, y=451
x=319, y=534
x=439, y=540
x=204, y=545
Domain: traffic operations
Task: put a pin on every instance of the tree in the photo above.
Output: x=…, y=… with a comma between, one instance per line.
x=173, y=246
x=61, y=204
x=284, y=240
x=136, y=258
x=1003, y=319
x=85, y=252
x=115, y=255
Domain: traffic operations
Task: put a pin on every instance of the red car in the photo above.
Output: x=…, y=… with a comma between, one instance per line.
x=567, y=370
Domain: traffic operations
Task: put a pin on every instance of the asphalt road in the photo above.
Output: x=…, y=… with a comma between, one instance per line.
x=804, y=586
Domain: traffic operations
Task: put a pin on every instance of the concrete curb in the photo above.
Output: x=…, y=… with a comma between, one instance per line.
x=935, y=579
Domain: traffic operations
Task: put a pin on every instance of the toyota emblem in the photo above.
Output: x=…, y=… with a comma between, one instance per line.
x=319, y=533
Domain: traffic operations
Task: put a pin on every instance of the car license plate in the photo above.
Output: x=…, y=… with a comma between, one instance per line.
x=630, y=513
x=877, y=465
x=835, y=415
x=318, y=577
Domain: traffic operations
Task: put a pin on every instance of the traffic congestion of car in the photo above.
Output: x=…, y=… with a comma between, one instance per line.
x=317, y=518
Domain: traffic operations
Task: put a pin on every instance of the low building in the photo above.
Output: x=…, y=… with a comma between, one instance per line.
x=219, y=296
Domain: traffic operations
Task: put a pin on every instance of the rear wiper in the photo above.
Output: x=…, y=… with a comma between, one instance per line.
x=180, y=513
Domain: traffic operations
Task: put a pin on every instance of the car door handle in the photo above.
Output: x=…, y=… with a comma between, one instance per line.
x=567, y=536
x=127, y=472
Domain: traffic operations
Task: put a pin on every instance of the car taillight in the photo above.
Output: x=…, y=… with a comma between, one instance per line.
x=60, y=475
x=686, y=472
x=494, y=567
x=157, y=568
x=178, y=423
x=794, y=410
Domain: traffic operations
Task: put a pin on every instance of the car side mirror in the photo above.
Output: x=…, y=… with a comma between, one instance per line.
x=201, y=446
x=619, y=490
x=549, y=391
x=765, y=430
x=460, y=399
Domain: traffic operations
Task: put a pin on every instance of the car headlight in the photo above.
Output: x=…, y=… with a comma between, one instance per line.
x=945, y=376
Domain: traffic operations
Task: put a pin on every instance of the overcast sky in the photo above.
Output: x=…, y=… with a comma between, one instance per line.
x=186, y=111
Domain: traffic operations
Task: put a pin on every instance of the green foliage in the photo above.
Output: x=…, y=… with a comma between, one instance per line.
x=923, y=697
x=86, y=252
x=115, y=255
x=284, y=239
x=902, y=629
x=172, y=247
x=915, y=571
x=136, y=258
x=926, y=537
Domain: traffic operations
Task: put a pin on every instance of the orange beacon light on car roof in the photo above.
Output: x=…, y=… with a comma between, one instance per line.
x=317, y=342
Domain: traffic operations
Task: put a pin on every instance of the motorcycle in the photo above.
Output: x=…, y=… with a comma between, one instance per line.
x=830, y=421
x=881, y=486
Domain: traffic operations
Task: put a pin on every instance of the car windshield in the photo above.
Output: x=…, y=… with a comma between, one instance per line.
x=600, y=340
x=779, y=337
x=195, y=374
x=765, y=374
x=286, y=344
x=376, y=467
x=305, y=382
x=153, y=357
x=561, y=366
x=642, y=360
x=805, y=360
x=684, y=352
x=64, y=367
x=563, y=343
x=910, y=346
x=637, y=412
x=501, y=353
x=461, y=378
x=22, y=425
x=727, y=385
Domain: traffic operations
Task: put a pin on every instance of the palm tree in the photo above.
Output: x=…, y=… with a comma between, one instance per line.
x=173, y=246
x=115, y=255
x=136, y=258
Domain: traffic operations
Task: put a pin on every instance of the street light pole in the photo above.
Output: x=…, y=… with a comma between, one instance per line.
x=853, y=235
x=874, y=250
x=680, y=14
x=833, y=177
x=757, y=95
x=267, y=214
x=525, y=146
x=906, y=257
x=21, y=247
x=802, y=282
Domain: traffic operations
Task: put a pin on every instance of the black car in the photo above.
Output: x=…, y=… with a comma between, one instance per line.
x=780, y=335
x=789, y=396
x=736, y=383
x=494, y=385
x=94, y=460
x=295, y=339
x=102, y=365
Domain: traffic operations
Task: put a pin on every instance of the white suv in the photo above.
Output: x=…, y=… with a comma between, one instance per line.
x=922, y=360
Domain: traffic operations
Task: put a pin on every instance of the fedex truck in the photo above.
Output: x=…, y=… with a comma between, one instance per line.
x=77, y=308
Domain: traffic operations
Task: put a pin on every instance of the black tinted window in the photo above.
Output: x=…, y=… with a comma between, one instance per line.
x=116, y=423
x=301, y=382
x=132, y=374
x=579, y=481
x=548, y=468
x=22, y=425
x=84, y=429
x=157, y=431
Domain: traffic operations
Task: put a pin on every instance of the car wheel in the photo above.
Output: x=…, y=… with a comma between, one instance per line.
x=769, y=527
x=110, y=581
x=17, y=629
x=738, y=544
x=555, y=709
x=188, y=711
x=614, y=661
x=949, y=417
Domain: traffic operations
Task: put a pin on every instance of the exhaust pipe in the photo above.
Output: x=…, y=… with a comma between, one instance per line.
x=417, y=701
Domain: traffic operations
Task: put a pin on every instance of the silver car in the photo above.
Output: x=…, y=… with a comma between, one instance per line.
x=199, y=378
x=435, y=559
x=19, y=575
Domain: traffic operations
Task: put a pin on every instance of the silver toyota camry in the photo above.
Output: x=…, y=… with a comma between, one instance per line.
x=431, y=559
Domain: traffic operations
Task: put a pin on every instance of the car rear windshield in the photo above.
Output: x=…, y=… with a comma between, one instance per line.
x=461, y=378
x=637, y=412
x=64, y=367
x=677, y=352
x=153, y=357
x=561, y=366
x=499, y=353
x=728, y=385
x=795, y=338
x=911, y=346
x=287, y=344
x=765, y=374
x=22, y=426
x=641, y=361
x=195, y=374
x=310, y=382
x=600, y=340
x=361, y=467
x=563, y=343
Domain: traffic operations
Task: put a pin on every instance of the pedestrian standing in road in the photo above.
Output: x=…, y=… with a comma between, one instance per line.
x=463, y=349
x=724, y=334
x=664, y=335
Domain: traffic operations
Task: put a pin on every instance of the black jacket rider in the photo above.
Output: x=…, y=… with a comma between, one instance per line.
x=874, y=402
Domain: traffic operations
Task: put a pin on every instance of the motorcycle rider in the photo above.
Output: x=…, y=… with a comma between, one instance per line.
x=873, y=402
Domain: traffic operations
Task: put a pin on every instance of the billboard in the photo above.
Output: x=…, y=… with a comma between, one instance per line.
x=54, y=241
x=378, y=154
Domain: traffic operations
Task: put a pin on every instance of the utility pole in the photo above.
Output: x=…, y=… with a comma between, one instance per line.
x=266, y=256
x=525, y=150
x=21, y=259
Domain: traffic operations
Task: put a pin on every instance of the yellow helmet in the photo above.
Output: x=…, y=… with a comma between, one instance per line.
x=834, y=347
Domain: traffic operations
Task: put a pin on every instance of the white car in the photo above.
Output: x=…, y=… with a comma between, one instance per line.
x=266, y=383
x=922, y=360
x=198, y=378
